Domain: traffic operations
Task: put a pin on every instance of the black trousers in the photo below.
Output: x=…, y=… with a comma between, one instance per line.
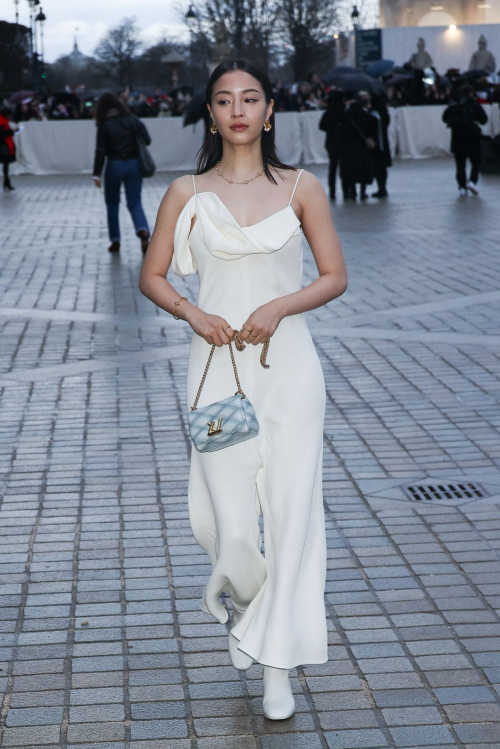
x=332, y=171
x=461, y=165
x=6, y=173
x=380, y=169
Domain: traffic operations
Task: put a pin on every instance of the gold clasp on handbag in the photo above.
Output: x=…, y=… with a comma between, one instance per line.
x=212, y=429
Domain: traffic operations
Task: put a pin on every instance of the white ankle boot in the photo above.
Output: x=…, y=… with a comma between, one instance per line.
x=278, y=702
x=239, y=659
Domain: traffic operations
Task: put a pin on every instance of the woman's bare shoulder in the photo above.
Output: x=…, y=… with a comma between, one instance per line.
x=178, y=193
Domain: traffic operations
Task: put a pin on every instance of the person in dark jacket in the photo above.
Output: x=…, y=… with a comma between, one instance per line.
x=7, y=146
x=329, y=123
x=382, y=153
x=358, y=132
x=117, y=131
x=462, y=117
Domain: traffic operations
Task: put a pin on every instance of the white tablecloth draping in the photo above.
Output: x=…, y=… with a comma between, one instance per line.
x=68, y=147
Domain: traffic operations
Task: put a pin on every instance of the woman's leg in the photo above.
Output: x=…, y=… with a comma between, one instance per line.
x=112, y=184
x=133, y=188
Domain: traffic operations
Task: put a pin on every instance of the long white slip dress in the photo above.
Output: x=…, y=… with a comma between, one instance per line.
x=280, y=470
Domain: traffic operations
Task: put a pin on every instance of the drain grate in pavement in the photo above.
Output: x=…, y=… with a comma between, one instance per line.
x=431, y=492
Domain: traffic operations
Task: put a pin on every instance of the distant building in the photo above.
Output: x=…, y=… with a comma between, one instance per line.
x=397, y=13
x=76, y=58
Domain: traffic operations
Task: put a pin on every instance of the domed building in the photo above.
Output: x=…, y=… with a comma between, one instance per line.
x=76, y=58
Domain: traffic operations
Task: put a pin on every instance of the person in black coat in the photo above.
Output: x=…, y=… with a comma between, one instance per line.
x=329, y=123
x=382, y=153
x=462, y=117
x=358, y=133
x=116, y=143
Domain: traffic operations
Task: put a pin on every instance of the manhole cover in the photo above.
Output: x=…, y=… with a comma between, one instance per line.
x=431, y=492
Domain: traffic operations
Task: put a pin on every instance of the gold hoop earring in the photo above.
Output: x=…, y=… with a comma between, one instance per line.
x=267, y=125
x=213, y=128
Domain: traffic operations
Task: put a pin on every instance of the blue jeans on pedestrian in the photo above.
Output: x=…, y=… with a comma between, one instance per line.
x=128, y=172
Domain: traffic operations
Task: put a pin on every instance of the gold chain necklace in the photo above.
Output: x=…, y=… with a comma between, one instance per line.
x=232, y=181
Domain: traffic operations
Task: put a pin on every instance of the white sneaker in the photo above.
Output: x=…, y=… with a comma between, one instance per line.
x=463, y=191
x=472, y=187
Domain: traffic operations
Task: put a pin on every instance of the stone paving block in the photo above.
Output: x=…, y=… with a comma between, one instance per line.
x=414, y=736
x=98, y=732
x=363, y=739
x=158, y=729
x=26, y=736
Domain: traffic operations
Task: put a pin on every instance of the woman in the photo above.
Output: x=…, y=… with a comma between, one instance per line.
x=7, y=146
x=117, y=132
x=238, y=222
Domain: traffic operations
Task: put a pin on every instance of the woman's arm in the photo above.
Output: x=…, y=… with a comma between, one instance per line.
x=100, y=151
x=317, y=223
x=153, y=282
x=143, y=132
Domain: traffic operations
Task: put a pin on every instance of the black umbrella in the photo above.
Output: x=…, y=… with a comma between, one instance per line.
x=477, y=73
x=20, y=96
x=356, y=82
x=196, y=109
x=65, y=97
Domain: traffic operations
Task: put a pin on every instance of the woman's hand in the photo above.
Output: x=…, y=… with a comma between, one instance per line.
x=97, y=182
x=262, y=323
x=212, y=328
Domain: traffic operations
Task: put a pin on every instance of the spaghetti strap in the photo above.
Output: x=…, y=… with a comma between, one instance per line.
x=296, y=181
x=194, y=184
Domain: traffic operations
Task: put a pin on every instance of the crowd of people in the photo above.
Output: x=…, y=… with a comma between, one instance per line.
x=355, y=122
x=405, y=86
x=356, y=127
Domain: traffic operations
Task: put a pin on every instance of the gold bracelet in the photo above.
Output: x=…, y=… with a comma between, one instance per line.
x=175, y=305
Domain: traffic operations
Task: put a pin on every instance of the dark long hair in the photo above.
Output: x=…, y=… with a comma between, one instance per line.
x=211, y=151
x=106, y=102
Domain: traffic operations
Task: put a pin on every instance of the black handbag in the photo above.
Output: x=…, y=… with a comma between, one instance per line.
x=146, y=163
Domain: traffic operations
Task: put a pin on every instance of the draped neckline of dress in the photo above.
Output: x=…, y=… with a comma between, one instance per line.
x=217, y=230
x=251, y=226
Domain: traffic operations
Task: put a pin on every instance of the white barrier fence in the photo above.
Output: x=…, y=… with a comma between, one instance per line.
x=52, y=147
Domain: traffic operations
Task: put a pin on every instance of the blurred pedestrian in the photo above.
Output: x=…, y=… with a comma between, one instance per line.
x=382, y=153
x=7, y=145
x=117, y=133
x=462, y=117
x=357, y=140
x=329, y=123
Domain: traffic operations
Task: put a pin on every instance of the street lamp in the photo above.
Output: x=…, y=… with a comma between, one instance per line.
x=34, y=54
x=191, y=22
x=41, y=18
x=355, y=23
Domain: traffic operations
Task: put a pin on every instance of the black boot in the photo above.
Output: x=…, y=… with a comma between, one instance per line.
x=144, y=237
x=114, y=247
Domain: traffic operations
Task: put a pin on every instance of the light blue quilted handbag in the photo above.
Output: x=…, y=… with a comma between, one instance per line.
x=225, y=422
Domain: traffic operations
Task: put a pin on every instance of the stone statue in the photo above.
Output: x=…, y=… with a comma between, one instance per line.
x=482, y=58
x=420, y=59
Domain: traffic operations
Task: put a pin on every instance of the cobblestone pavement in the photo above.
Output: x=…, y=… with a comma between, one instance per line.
x=102, y=640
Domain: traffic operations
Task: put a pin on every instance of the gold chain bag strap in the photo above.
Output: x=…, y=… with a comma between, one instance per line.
x=229, y=421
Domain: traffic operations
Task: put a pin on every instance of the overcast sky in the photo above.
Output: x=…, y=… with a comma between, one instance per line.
x=94, y=17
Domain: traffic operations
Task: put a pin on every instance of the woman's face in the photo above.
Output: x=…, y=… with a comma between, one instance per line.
x=239, y=107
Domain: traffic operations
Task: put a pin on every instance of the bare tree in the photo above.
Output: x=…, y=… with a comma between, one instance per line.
x=118, y=50
x=245, y=27
x=307, y=25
